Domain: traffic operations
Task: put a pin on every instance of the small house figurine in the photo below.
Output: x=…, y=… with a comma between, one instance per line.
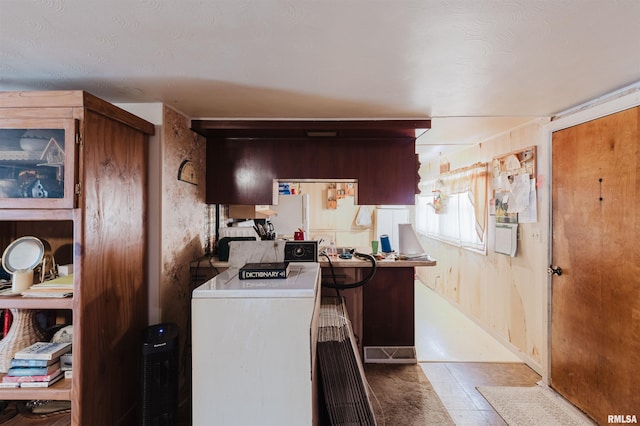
x=53, y=153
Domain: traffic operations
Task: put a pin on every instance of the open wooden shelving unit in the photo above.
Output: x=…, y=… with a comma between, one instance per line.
x=100, y=224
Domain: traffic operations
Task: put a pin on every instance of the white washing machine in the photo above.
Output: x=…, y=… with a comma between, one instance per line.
x=254, y=349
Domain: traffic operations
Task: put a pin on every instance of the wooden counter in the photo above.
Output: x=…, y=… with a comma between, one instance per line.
x=213, y=262
x=382, y=311
x=362, y=263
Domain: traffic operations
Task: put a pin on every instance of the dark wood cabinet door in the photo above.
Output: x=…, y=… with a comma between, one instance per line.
x=242, y=171
x=388, y=308
x=386, y=171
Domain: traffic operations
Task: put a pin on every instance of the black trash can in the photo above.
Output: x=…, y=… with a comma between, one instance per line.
x=159, y=375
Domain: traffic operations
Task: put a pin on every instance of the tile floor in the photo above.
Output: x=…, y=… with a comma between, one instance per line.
x=457, y=355
x=455, y=383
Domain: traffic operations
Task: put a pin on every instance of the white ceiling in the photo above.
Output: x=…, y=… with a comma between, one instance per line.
x=504, y=61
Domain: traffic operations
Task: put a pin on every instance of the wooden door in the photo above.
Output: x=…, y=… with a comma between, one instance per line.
x=595, y=319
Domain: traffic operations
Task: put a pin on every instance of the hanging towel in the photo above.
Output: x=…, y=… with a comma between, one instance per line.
x=363, y=218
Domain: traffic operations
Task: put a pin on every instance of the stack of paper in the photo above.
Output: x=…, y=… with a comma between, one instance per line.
x=58, y=287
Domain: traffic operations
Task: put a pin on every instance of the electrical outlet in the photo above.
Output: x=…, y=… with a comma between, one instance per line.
x=535, y=235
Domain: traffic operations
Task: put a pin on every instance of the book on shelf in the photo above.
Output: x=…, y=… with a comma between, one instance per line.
x=66, y=361
x=264, y=270
x=68, y=374
x=24, y=379
x=45, y=384
x=17, y=362
x=47, y=292
x=60, y=282
x=57, y=287
x=43, y=350
x=33, y=371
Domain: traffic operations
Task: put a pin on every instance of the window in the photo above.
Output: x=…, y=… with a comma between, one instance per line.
x=453, y=208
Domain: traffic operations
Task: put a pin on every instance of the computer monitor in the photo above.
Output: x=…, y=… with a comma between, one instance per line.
x=408, y=242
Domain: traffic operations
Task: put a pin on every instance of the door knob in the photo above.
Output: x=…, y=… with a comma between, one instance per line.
x=554, y=271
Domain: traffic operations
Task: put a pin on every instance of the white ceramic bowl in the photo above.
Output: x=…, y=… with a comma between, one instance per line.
x=33, y=144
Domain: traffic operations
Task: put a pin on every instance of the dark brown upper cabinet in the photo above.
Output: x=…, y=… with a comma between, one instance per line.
x=245, y=157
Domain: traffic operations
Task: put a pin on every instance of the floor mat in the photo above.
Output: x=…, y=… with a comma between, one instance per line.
x=532, y=406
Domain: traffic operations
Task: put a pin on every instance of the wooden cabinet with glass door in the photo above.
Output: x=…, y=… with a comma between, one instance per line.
x=73, y=172
x=37, y=163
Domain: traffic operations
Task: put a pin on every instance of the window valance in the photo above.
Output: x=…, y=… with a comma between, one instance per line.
x=471, y=180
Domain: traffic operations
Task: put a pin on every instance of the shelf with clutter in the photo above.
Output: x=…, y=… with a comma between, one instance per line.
x=29, y=265
x=338, y=191
x=54, y=186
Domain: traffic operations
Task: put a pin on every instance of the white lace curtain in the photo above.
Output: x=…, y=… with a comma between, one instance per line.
x=471, y=180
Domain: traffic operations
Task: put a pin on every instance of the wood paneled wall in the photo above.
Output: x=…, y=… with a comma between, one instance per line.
x=506, y=295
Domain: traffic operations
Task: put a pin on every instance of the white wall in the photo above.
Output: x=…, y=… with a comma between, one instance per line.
x=338, y=224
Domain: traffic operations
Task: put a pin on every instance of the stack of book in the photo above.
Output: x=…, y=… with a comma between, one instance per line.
x=58, y=287
x=37, y=365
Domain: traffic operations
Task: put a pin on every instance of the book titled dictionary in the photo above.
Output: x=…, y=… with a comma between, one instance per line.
x=265, y=270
